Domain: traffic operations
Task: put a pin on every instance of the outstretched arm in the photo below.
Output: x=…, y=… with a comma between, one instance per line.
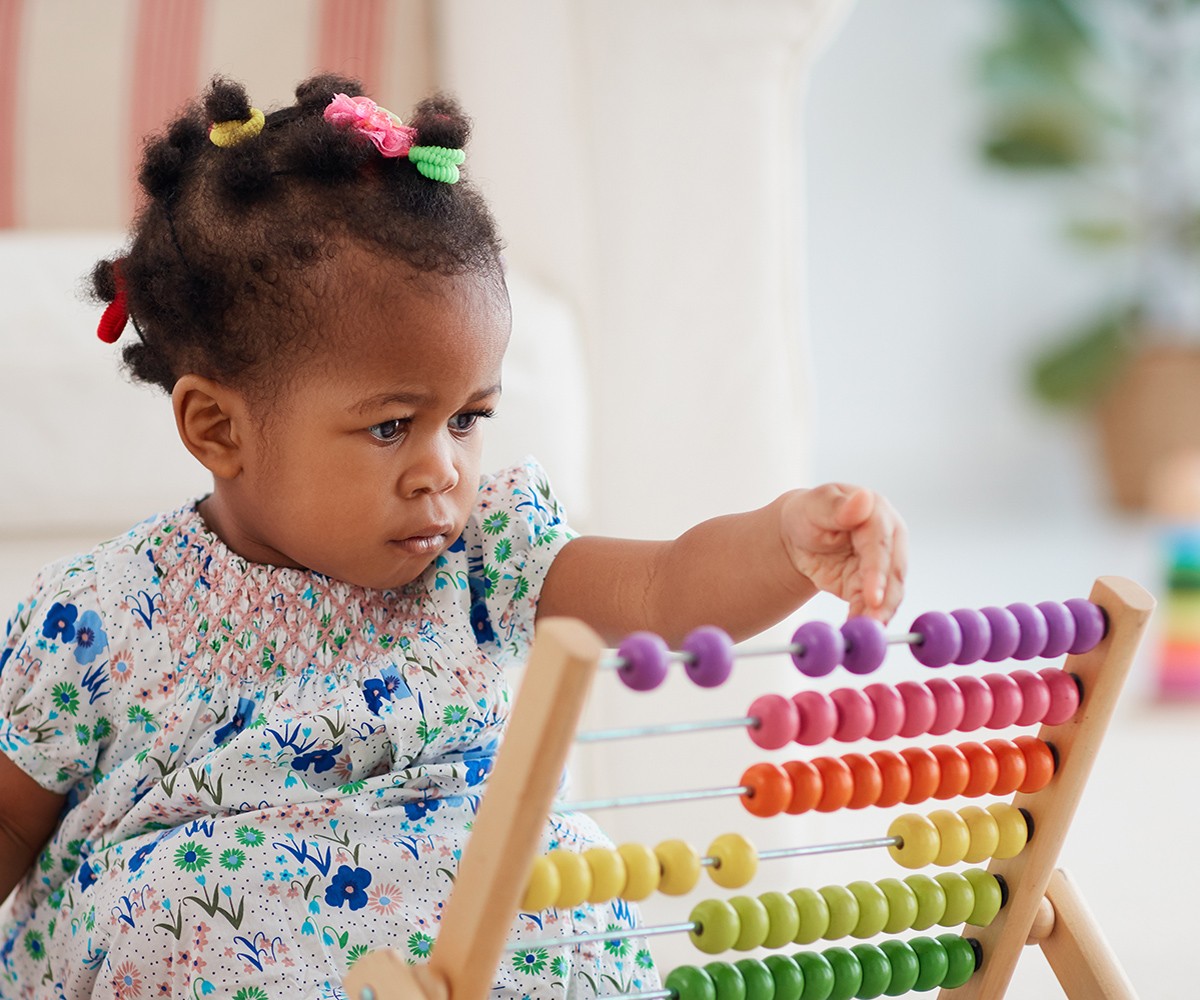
x=743, y=572
x=28, y=815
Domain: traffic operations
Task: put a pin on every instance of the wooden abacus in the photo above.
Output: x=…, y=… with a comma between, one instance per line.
x=1020, y=899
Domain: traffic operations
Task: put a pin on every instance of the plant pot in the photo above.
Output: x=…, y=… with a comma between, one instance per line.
x=1151, y=415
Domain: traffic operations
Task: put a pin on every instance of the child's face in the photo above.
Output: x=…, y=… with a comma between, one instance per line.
x=369, y=467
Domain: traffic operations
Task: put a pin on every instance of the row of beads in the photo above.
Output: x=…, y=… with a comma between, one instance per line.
x=912, y=708
x=945, y=837
x=860, y=909
x=885, y=778
x=1018, y=631
x=864, y=971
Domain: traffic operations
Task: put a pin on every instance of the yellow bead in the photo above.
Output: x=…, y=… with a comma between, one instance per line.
x=574, y=875
x=919, y=841
x=608, y=873
x=1014, y=832
x=680, y=866
x=541, y=891
x=954, y=836
x=737, y=861
x=985, y=834
x=641, y=871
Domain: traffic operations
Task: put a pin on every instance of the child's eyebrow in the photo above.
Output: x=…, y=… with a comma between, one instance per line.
x=417, y=399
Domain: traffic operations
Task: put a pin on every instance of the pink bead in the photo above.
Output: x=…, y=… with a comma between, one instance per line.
x=1006, y=700
x=977, y=703
x=1035, y=697
x=889, y=711
x=818, y=717
x=778, y=721
x=919, y=708
x=948, y=700
x=1064, y=696
x=856, y=714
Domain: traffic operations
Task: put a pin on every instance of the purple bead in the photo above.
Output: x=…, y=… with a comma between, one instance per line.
x=645, y=656
x=1006, y=634
x=976, y=635
x=1034, y=631
x=866, y=645
x=1091, y=624
x=941, y=639
x=1061, y=626
x=822, y=647
x=712, y=650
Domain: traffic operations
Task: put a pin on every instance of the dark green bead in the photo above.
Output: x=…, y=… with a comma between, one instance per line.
x=760, y=984
x=847, y=972
x=818, y=975
x=728, y=981
x=960, y=960
x=906, y=969
x=876, y=971
x=789, y=980
x=933, y=960
x=691, y=983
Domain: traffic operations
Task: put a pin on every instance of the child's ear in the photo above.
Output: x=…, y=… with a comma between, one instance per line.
x=212, y=423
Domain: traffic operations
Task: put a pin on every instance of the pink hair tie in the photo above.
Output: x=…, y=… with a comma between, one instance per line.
x=391, y=136
x=112, y=323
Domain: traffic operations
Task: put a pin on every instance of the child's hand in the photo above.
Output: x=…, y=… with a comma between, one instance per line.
x=849, y=542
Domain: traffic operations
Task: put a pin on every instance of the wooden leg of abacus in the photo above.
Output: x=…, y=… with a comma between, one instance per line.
x=504, y=839
x=1102, y=672
x=1075, y=946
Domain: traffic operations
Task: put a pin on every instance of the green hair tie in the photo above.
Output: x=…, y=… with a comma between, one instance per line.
x=437, y=162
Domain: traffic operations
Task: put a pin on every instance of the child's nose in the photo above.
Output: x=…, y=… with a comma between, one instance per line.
x=432, y=469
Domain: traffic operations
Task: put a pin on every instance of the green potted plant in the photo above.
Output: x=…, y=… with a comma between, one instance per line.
x=1104, y=96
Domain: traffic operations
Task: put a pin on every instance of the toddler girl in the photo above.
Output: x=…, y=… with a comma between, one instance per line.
x=243, y=743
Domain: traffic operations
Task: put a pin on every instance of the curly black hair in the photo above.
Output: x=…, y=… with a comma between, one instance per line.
x=218, y=271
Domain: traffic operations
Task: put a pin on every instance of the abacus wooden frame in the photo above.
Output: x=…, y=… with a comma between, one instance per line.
x=1043, y=907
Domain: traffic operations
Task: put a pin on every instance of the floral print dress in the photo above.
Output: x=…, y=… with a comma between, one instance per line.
x=268, y=772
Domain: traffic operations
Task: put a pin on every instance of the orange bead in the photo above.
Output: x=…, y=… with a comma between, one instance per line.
x=895, y=776
x=770, y=789
x=837, y=782
x=868, y=782
x=806, y=786
x=926, y=774
x=983, y=766
x=1039, y=763
x=1011, y=764
x=955, y=772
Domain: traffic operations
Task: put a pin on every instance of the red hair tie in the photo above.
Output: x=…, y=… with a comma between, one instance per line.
x=112, y=323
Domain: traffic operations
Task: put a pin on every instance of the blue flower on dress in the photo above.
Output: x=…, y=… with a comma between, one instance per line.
x=241, y=719
x=480, y=622
x=60, y=622
x=479, y=763
x=91, y=638
x=140, y=855
x=349, y=886
x=418, y=810
x=318, y=760
x=389, y=684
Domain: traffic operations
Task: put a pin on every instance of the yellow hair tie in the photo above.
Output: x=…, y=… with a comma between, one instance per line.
x=230, y=133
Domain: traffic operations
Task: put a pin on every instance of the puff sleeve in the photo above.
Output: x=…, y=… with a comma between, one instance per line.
x=53, y=674
x=519, y=527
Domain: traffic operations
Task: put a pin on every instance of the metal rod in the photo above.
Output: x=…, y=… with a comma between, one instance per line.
x=663, y=729
x=835, y=848
x=619, y=935
x=648, y=995
x=654, y=798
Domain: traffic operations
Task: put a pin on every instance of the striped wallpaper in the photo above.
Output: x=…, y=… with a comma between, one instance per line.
x=81, y=84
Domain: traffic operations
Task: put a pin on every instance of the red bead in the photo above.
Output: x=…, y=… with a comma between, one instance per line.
x=807, y=786
x=770, y=789
x=856, y=714
x=837, y=781
x=1039, y=763
x=818, y=717
x=867, y=778
x=954, y=771
x=984, y=768
x=1011, y=764
x=889, y=711
x=895, y=777
x=926, y=774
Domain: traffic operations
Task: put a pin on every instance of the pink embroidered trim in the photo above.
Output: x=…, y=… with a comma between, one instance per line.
x=391, y=136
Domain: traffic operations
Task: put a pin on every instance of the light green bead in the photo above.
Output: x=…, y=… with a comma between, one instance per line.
x=756, y=924
x=872, y=909
x=843, y=911
x=814, y=915
x=902, y=905
x=988, y=896
x=960, y=898
x=784, y=919
x=719, y=926
x=931, y=900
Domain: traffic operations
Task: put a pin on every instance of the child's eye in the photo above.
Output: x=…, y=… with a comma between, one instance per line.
x=388, y=432
x=461, y=423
